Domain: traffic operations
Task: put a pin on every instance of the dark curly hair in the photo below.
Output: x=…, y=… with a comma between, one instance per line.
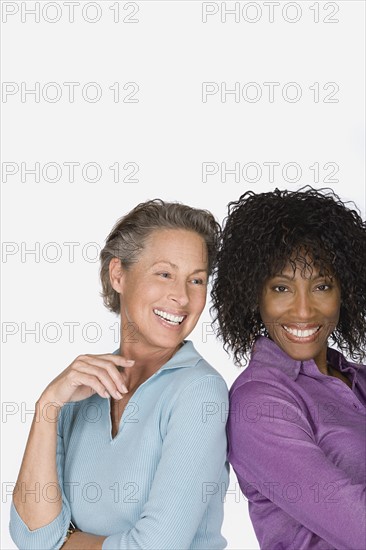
x=265, y=231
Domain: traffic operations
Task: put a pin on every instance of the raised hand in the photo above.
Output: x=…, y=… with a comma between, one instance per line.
x=86, y=375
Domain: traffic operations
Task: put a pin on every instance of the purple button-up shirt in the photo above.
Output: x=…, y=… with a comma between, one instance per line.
x=297, y=442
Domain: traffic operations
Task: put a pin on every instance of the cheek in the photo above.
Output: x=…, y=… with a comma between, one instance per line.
x=200, y=302
x=268, y=309
x=333, y=308
x=336, y=313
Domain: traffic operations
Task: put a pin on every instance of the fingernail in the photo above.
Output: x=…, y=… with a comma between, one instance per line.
x=119, y=395
x=106, y=394
x=130, y=361
x=124, y=389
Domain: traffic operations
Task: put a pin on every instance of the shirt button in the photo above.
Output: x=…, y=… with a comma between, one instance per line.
x=355, y=405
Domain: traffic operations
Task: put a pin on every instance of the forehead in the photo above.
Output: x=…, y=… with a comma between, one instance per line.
x=168, y=244
x=303, y=257
x=305, y=267
x=182, y=237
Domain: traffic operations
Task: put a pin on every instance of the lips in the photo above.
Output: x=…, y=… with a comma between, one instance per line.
x=170, y=318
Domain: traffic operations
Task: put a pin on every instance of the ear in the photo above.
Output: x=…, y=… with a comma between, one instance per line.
x=116, y=274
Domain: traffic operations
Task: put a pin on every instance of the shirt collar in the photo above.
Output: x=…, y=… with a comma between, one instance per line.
x=266, y=352
x=340, y=363
x=186, y=356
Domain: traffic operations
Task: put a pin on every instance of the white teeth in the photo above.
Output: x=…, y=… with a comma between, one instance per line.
x=173, y=319
x=301, y=333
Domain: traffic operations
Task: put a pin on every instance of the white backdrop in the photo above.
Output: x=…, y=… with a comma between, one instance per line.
x=106, y=104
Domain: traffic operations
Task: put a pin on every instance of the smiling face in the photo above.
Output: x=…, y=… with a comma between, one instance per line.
x=300, y=311
x=164, y=292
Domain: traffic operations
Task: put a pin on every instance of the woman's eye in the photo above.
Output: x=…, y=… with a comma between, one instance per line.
x=279, y=288
x=164, y=275
x=198, y=281
x=323, y=287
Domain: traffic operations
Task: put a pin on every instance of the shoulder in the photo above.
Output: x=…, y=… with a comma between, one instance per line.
x=257, y=375
x=190, y=378
x=262, y=386
x=189, y=366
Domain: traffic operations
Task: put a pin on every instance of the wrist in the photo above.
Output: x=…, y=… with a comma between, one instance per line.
x=47, y=409
x=48, y=397
x=71, y=530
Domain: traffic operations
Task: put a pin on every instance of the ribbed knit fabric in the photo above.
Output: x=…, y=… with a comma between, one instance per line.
x=160, y=483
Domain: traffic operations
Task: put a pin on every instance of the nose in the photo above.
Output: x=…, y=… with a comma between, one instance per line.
x=303, y=306
x=178, y=293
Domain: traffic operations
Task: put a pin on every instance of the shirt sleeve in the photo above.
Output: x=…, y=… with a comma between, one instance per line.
x=52, y=535
x=193, y=455
x=272, y=446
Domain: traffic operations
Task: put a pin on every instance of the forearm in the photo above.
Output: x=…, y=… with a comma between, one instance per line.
x=37, y=495
x=40, y=513
x=83, y=541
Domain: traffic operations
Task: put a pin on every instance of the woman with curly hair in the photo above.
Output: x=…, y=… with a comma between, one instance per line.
x=291, y=276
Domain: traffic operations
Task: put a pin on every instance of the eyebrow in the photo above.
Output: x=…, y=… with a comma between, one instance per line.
x=174, y=266
x=284, y=276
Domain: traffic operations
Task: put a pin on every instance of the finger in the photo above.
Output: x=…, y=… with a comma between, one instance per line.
x=109, y=377
x=118, y=360
x=101, y=362
x=124, y=383
x=83, y=379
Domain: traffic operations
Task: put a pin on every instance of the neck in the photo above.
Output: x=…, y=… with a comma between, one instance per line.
x=146, y=362
x=325, y=369
x=322, y=361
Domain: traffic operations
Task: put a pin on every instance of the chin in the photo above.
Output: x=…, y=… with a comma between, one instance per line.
x=167, y=343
